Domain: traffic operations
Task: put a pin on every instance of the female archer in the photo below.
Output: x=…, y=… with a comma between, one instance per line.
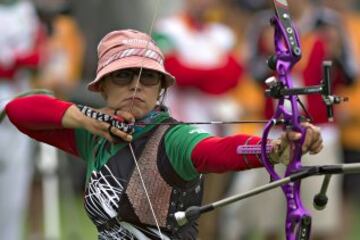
x=137, y=180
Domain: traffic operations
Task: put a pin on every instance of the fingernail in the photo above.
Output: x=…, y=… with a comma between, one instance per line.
x=129, y=138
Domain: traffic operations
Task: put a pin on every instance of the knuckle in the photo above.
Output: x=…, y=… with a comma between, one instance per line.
x=120, y=133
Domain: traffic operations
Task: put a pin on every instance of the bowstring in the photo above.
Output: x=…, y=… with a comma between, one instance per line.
x=157, y=4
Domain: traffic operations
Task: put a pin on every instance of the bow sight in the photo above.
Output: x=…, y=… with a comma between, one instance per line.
x=276, y=89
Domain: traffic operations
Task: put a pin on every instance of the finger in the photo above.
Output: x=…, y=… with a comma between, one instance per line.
x=102, y=126
x=316, y=147
x=120, y=116
x=114, y=137
x=316, y=151
x=276, y=145
x=98, y=128
x=293, y=136
x=104, y=129
x=305, y=124
x=101, y=129
x=317, y=133
x=313, y=138
x=106, y=110
x=315, y=130
x=108, y=137
x=308, y=141
x=126, y=115
x=118, y=133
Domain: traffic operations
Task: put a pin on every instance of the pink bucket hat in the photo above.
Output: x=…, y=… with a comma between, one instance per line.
x=128, y=49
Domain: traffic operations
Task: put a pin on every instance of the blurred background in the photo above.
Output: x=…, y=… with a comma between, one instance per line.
x=217, y=50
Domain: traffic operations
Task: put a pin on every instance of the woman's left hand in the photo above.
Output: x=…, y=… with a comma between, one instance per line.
x=313, y=143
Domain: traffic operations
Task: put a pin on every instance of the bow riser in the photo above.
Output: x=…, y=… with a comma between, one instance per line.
x=287, y=54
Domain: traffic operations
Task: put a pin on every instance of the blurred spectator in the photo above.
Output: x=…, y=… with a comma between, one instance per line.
x=21, y=44
x=204, y=74
x=249, y=96
x=61, y=73
x=322, y=38
x=200, y=55
x=65, y=47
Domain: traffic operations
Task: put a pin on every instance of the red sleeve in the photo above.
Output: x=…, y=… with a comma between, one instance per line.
x=216, y=80
x=219, y=155
x=40, y=116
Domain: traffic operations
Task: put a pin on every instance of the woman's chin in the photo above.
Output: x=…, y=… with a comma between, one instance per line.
x=137, y=112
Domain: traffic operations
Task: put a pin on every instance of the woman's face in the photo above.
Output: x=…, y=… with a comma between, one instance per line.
x=122, y=90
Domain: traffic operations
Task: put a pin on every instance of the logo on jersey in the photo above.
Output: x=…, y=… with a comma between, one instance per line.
x=197, y=130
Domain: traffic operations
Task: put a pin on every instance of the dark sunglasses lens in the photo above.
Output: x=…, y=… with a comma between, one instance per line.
x=123, y=77
x=149, y=78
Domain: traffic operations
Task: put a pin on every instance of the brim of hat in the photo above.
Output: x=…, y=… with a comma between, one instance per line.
x=131, y=62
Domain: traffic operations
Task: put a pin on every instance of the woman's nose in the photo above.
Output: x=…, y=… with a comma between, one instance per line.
x=135, y=82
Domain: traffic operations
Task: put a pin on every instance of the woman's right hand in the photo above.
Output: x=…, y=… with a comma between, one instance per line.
x=74, y=118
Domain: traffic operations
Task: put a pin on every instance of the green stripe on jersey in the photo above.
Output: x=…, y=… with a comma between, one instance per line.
x=179, y=144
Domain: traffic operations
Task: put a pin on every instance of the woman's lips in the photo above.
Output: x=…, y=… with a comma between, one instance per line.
x=134, y=99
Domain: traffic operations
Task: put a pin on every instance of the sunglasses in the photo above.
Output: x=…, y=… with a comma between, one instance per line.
x=126, y=76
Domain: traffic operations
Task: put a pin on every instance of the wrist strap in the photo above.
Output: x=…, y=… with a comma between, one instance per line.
x=103, y=117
